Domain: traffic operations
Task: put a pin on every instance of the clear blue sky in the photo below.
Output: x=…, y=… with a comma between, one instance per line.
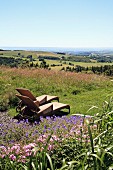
x=56, y=23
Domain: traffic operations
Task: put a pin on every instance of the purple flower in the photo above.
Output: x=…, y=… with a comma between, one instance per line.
x=12, y=157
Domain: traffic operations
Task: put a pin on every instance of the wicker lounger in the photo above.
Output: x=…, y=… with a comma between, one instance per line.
x=42, y=99
x=44, y=110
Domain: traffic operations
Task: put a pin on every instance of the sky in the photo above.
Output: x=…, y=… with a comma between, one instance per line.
x=56, y=23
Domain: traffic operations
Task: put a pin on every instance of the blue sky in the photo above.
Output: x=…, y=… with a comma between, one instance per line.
x=56, y=23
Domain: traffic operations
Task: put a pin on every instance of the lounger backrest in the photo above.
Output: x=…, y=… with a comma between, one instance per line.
x=26, y=92
x=29, y=103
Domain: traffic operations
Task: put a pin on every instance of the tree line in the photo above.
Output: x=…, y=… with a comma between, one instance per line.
x=19, y=62
x=106, y=69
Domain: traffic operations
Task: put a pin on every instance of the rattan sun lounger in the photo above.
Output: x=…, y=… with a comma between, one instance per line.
x=42, y=99
x=44, y=110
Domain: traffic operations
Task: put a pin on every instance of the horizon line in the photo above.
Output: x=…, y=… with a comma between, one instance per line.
x=48, y=47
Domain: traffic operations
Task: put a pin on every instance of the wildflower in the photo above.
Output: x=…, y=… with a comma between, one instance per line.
x=54, y=137
x=2, y=155
x=26, y=121
x=27, y=135
x=30, y=146
x=12, y=157
x=15, y=148
x=50, y=147
x=3, y=148
x=94, y=127
x=42, y=138
x=8, y=150
x=22, y=159
x=28, y=152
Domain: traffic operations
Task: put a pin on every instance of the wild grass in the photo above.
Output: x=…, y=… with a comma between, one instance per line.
x=58, y=143
x=81, y=91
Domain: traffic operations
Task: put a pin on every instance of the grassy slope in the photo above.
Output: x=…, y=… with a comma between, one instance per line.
x=35, y=54
x=81, y=91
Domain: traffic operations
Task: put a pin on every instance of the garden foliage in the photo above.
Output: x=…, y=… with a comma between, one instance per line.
x=69, y=142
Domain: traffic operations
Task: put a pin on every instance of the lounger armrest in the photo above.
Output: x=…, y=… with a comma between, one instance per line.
x=46, y=109
x=42, y=99
x=37, y=103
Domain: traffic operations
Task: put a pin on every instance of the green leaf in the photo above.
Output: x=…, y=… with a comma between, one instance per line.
x=50, y=161
x=96, y=156
x=111, y=167
x=63, y=167
x=33, y=165
x=93, y=107
x=109, y=148
x=100, y=135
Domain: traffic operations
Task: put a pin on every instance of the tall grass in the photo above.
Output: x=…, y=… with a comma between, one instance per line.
x=66, y=143
x=72, y=88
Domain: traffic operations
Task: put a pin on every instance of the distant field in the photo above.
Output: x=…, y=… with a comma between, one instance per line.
x=36, y=54
x=50, y=62
x=57, y=62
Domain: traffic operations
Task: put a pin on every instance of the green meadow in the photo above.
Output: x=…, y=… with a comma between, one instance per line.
x=81, y=91
x=59, y=143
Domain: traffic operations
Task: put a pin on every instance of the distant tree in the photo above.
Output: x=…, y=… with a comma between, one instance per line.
x=30, y=57
x=31, y=64
x=87, y=68
x=36, y=65
x=63, y=68
x=43, y=64
x=93, y=69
